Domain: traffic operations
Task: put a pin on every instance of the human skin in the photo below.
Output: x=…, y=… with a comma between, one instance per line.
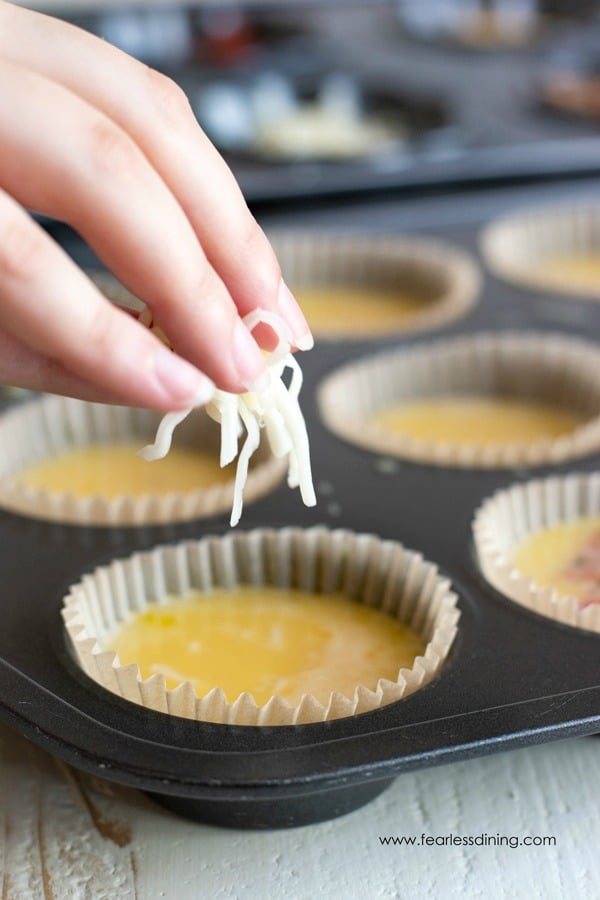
x=99, y=140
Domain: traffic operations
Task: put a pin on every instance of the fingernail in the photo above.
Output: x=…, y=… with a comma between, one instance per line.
x=305, y=343
x=289, y=310
x=249, y=361
x=180, y=380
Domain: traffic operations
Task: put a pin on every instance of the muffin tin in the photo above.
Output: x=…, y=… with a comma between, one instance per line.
x=254, y=96
x=471, y=116
x=476, y=116
x=512, y=678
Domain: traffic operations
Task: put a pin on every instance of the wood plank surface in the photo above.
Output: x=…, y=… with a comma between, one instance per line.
x=65, y=835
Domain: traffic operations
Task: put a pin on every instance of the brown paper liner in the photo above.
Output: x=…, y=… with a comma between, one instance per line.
x=509, y=517
x=515, y=245
x=51, y=425
x=446, y=278
x=382, y=574
x=548, y=368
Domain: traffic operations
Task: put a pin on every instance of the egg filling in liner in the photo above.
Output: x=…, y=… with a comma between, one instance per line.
x=539, y=544
x=265, y=610
x=487, y=401
x=71, y=461
x=548, y=250
x=352, y=288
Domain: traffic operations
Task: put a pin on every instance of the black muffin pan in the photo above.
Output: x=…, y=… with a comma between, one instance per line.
x=471, y=117
x=513, y=678
x=413, y=121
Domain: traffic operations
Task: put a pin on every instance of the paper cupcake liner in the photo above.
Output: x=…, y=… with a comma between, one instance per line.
x=562, y=371
x=381, y=574
x=44, y=427
x=509, y=517
x=446, y=278
x=514, y=245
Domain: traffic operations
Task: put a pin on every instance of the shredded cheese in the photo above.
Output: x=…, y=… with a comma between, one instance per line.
x=276, y=409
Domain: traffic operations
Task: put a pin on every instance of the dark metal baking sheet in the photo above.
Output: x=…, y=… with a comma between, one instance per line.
x=513, y=678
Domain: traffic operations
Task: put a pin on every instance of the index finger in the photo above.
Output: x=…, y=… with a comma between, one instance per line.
x=90, y=173
x=55, y=323
x=157, y=115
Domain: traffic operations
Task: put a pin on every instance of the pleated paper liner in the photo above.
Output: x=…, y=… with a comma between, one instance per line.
x=562, y=372
x=444, y=279
x=48, y=426
x=524, y=249
x=509, y=517
x=381, y=574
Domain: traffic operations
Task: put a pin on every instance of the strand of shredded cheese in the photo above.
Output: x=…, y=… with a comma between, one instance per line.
x=276, y=409
x=164, y=436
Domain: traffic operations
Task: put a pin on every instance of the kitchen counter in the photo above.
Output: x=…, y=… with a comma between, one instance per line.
x=67, y=835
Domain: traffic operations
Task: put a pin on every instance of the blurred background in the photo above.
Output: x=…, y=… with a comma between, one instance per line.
x=314, y=99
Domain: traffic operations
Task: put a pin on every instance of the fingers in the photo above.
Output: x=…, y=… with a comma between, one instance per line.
x=157, y=116
x=20, y=366
x=58, y=333
x=90, y=173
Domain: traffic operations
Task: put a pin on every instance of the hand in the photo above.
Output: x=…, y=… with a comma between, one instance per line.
x=91, y=136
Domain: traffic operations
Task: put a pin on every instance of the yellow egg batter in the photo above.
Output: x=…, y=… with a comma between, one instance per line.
x=267, y=641
x=477, y=421
x=109, y=470
x=580, y=271
x=565, y=557
x=358, y=311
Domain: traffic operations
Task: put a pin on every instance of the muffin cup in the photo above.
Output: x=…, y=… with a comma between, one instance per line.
x=515, y=245
x=41, y=428
x=509, y=517
x=446, y=278
x=561, y=371
x=381, y=574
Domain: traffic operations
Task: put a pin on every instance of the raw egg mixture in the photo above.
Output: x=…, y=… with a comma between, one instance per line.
x=267, y=641
x=110, y=470
x=477, y=421
x=565, y=557
x=358, y=311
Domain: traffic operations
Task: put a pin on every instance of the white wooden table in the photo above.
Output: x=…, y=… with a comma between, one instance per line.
x=66, y=835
